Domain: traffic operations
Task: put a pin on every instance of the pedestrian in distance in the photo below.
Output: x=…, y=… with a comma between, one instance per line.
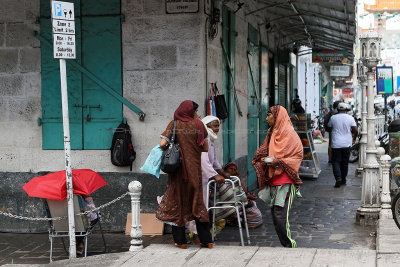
x=394, y=111
x=297, y=108
x=277, y=163
x=183, y=198
x=327, y=117
x=342, y=127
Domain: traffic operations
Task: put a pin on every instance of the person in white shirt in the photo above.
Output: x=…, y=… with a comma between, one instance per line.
x=342, y=127
x=394, y=110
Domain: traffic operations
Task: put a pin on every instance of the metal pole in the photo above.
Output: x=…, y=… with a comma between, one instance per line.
x=67, y=150
x=386, y=110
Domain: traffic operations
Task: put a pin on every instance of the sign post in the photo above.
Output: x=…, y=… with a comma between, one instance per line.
x=384, y=84
x=63, y=25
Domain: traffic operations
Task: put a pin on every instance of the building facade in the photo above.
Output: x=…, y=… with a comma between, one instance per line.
x=134, y=57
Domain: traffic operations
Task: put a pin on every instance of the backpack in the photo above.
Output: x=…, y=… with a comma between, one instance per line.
x=122, y=151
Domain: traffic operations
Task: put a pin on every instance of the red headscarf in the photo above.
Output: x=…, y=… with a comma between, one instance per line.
x=185, y=112
x=282, y=143
x=231, y=164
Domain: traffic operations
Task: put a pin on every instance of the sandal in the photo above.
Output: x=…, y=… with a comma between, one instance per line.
x=209, y=245
x=182, y=246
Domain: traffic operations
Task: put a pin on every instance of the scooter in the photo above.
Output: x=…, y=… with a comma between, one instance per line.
x=355, y=148
x=384, y=141
x=319, y=122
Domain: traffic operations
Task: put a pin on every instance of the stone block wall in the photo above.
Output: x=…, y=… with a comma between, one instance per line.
x=163, y=64
x=20, y=97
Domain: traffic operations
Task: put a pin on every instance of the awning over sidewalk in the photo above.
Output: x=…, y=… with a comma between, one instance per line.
x=313, y=23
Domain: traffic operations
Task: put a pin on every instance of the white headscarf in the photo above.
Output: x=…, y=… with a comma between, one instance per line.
x=208, y=119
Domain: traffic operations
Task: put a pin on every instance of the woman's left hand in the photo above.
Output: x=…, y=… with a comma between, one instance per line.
x=273, y=163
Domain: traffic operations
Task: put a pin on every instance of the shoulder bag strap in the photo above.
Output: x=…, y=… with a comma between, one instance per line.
x=173, y=133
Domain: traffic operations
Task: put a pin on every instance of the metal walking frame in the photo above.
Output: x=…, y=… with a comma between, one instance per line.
x=234, y=181
x=59, y=228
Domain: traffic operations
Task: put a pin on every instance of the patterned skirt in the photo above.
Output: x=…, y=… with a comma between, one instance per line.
x=225, y=193
x=276, y=195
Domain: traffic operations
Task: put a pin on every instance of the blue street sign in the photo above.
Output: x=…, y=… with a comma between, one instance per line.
x=57, y=10
x=384, y=80
x=398, y=84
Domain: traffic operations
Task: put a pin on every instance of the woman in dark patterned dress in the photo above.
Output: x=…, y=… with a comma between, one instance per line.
x=183, y=198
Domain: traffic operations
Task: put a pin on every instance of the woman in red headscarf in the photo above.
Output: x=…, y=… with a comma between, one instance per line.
x=183, y=198
x=277, y=163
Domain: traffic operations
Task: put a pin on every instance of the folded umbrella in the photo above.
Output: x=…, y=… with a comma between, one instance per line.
x=53, y=185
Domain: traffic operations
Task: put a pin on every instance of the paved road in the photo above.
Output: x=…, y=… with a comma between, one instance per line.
x=324, y=218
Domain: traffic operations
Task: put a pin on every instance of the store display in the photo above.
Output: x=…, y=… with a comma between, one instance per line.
x=310, y=165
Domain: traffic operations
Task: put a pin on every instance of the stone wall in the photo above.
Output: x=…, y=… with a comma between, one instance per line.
x=163, y=65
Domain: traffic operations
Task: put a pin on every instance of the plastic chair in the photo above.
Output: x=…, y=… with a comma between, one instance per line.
x=234, y=181
x=60, y=228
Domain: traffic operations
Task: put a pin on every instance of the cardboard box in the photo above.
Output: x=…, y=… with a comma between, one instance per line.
x=150, y=225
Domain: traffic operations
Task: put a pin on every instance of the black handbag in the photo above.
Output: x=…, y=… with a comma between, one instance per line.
x=171, y=157
x=220, y=104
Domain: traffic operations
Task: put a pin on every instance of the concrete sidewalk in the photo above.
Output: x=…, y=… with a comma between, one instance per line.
x=387, y=254
x=167, y=255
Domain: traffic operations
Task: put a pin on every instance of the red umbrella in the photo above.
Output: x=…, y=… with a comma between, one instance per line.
x=53, y=185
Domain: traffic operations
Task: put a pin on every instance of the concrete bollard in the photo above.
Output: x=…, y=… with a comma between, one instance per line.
x=386, y=211
x=135, y=190
x=380, y=151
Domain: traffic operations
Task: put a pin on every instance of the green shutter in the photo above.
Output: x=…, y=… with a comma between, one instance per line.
x=229, y=43
x=93, y=113
x=253, y=91
x=282, y=87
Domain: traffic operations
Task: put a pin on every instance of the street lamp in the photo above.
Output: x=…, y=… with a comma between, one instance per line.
x=368, y=213
x=363, y=142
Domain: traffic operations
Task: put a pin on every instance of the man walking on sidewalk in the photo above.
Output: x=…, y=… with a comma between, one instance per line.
x=342, y=126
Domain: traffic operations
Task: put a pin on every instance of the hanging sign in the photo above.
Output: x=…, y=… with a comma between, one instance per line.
x=181, y=6
x=63, y=27
x=340, y=70
x=384, y=80
x=329, y=56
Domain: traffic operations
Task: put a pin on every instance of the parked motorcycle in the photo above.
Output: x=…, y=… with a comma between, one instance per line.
x=391, y=144
x=384, y=141
x=319, y=122
x=355, y=148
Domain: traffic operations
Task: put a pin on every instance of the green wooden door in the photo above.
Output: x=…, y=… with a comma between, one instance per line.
x=93, y=113
x=228, y=78
x=253, y=57
x=101, y=113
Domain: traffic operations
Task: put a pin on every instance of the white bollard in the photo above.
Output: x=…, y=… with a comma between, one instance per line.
x=386, y=211
x=135, y=190
x=380, y=152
